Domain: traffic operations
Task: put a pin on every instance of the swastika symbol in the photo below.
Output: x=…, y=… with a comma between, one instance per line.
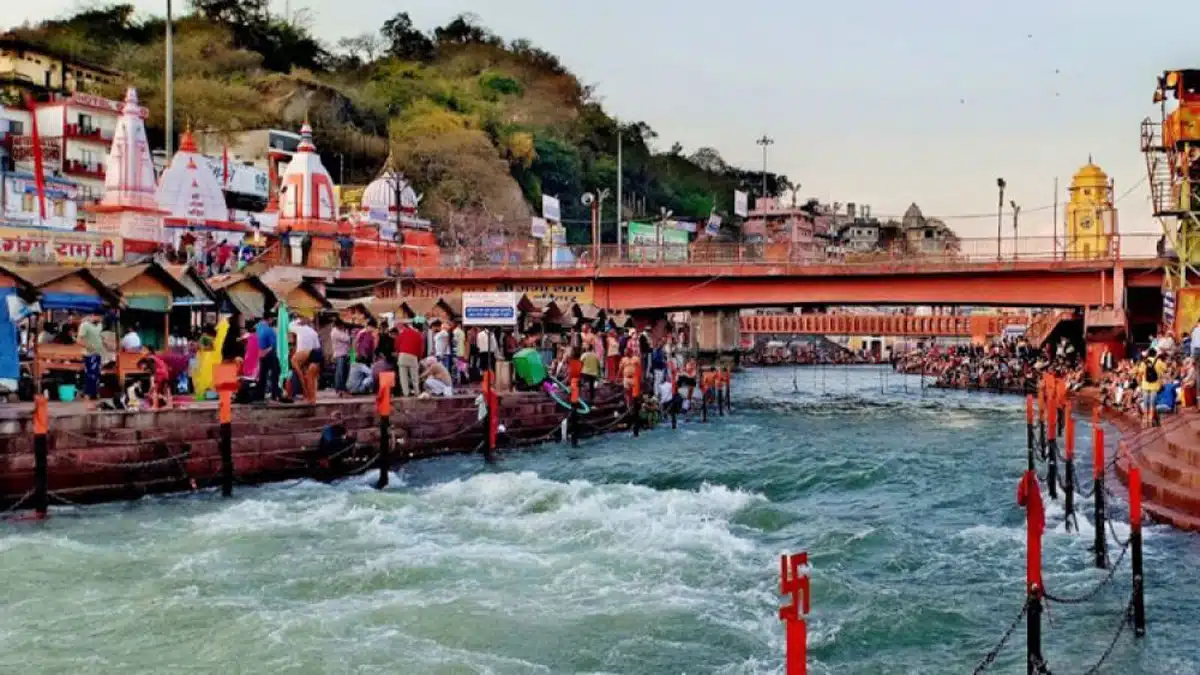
x=794, y=583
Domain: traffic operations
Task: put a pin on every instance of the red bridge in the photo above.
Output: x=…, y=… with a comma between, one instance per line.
x=733, y=275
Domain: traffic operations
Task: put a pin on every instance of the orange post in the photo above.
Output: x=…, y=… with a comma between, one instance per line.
x=1029, y=495
x=41, y=455
x=225, y=417
x=489, y=401
x=795, y=584
x=1051, y=422
x=1069, y=432
x=1029, y=409
x=383, y=407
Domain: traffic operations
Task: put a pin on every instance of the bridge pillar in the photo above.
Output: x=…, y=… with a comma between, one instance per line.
x=1104, y=330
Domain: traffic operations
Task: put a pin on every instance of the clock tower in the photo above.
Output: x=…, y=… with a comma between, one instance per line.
x=1091, y=217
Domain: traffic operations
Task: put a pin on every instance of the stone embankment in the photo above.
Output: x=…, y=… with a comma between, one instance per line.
x=97, y=456
x=1169, y=459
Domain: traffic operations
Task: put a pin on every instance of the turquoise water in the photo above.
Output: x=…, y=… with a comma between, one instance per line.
x=652, y=556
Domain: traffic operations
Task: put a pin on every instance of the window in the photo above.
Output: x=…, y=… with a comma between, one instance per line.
x=60, y=208
x=16, y=128
x=85, y=123
x=27, y=202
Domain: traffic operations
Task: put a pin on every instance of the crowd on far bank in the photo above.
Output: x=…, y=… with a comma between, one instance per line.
x=283, y=359
x=1159, y=379
x=1006, y=365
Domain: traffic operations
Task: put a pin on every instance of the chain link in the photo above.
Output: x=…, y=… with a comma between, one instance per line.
x=1112, y=570
x=990, y=658
x=1126, y=617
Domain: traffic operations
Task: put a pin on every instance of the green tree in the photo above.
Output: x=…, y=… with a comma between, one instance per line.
x=404, y=41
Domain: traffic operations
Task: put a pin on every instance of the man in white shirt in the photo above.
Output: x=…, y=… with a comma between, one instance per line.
x=131, y=341
x=441, y=346
x=306, y=362
x=488, y=348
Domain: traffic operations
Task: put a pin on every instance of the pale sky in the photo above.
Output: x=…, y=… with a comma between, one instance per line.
x=875, y=101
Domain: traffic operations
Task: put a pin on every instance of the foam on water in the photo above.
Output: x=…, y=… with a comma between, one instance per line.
x=656, y=556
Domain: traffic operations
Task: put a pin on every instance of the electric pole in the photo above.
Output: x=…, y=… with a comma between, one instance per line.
x=170, y=86
x=1000, y=216
x=765, y=142
x=1016, y=213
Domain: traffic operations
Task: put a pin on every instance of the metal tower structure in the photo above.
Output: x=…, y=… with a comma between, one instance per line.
x=1171, y=145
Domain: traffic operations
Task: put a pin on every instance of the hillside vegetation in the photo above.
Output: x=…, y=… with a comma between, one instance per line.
x=481, y=125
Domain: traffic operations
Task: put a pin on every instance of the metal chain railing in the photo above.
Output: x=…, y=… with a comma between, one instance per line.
x=1126, y=618
x=992, y=655
x=1101, y=585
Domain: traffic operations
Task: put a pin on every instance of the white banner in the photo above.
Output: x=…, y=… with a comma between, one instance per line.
x=538, y=228
x=550, y=209
x=714, y=225
x=741, y=203
x=489, y=309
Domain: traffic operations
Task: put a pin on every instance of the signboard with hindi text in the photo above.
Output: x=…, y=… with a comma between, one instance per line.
x=563, y=293
x=489, y=309
x=71, y=248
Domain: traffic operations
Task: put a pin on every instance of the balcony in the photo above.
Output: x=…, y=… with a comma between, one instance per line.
x=87, y=133
x=74, y=167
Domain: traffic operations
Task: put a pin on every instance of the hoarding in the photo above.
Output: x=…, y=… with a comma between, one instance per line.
x=550, y=209
x=741, y=203
x=489, y=309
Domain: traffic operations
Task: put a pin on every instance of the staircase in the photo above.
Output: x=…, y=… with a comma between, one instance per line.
x=1169, y=461
x=1163, y=196
x=1043, y=326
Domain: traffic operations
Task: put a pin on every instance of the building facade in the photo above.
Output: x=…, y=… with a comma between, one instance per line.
x=29, y=68
x=76, y=132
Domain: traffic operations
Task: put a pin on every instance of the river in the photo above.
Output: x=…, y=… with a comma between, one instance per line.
x=656, y=555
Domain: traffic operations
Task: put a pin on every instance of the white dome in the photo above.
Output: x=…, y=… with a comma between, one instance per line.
x=380, y=194
x=306, y=190
x=188, y=189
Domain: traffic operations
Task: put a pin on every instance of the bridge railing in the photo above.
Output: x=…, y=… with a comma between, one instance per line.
x=916, y=250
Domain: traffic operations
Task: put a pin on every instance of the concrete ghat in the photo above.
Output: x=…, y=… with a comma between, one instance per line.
x=1169, y=460
x=97, y=456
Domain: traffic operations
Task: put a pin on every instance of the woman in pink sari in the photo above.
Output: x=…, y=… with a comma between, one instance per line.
x=250, y=364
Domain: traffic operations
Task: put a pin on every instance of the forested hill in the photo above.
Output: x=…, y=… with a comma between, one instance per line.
x=480, y=124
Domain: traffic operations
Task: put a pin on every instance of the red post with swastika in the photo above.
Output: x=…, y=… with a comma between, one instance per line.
x=793, y=581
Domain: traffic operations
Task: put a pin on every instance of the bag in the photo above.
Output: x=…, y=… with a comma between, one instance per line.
x=1151, y=375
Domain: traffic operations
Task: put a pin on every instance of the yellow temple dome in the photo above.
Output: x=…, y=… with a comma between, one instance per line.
x=1090, y=174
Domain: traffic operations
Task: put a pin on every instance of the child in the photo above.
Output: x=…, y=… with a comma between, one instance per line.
x=159, y=395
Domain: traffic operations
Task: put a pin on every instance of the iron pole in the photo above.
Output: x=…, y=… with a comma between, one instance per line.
x=169, y=89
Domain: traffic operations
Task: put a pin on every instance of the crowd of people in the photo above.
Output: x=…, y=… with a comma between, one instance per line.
x=1158, y=380
x=1007, y=365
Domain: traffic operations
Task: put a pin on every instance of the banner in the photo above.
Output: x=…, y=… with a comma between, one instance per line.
x=674, y=245
x=741, y=203
x=489, y=309
x=565, y=293
x=1187, y=312
x=550, y=209
x=1168, y=309
x=714, y=225
x=78, y=248
x=538, y=228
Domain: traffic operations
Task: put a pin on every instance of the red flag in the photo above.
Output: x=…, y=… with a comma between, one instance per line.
x=39, y=174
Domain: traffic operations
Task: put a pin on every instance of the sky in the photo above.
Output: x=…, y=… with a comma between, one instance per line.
x=874, y=102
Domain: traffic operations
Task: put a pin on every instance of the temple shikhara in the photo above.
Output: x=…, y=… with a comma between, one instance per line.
x=129, y=208
x=192, y=198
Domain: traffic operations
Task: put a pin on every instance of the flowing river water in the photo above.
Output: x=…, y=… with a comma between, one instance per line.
x=656, y=555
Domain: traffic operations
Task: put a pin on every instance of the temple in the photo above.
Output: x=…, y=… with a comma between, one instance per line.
x=379, y=202
x=306, y=202
x=192, y=198
x=129, y=208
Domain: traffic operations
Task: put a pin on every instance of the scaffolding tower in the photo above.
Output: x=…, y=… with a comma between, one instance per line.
x=1171, y=145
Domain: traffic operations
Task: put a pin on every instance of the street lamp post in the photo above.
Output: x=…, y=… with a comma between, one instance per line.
x=765, y=142
x=169, y=85
x=1000, y=216
x=1016, y=213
